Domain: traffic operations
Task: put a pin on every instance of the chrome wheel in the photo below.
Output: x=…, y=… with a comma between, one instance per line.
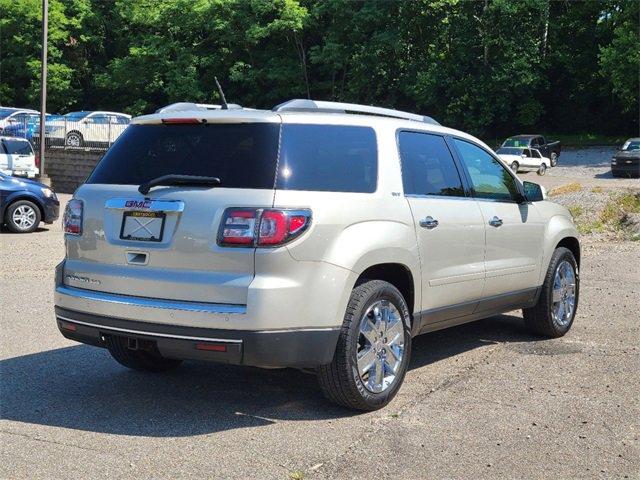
x=74, y=140
x=380, y=346
x=564, y=294
x=24, y=217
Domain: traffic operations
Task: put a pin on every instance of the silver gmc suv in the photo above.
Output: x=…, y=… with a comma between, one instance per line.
x=317, y=235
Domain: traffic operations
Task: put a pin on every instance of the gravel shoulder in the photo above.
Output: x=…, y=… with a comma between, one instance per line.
x=484, y=400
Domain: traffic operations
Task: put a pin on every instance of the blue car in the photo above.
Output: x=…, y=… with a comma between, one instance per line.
x=25, y=203
x=28, y=125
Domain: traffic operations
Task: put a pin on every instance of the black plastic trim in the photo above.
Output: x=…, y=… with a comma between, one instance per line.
x=264, y=348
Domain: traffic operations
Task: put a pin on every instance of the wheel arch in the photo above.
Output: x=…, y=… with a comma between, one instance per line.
x=573, y=244
x=398, y=275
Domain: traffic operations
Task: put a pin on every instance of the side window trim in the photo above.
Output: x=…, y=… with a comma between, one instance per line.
x=468, y=176
x=466, y=186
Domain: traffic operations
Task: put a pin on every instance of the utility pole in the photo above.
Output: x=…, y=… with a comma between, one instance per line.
x=43, y=89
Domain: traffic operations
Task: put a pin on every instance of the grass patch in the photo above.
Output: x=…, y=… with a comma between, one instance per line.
x=612, y=216
x=597, y=190
x=575, y=210
x=575, y=140
x=587, y=139
x=564, y=189
x=296, y=475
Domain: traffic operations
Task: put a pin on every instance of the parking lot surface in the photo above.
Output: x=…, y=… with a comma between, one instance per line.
x=484, y=400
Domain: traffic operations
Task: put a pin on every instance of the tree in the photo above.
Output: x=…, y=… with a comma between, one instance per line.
x=620, y=60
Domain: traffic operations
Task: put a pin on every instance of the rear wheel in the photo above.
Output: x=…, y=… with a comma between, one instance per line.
x=145, y=357
x=22, y=216
x=373, y=349
x=74, y=139
x=515, y=166
x=553, y=314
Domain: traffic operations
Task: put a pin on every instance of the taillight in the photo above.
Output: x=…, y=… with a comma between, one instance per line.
x=238, y=226
x=37, y=159
x=256, y=227
x=72, y=219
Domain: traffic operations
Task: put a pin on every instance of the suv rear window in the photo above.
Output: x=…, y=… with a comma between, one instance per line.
x=242, y=155
x=328, y=158
x=17, y=147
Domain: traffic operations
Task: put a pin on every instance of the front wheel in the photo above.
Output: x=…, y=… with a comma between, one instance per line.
x=373, y=350
x=554, y=159
x=553, y=314
x=542, y=170
x=515, y=166
x=22, y=216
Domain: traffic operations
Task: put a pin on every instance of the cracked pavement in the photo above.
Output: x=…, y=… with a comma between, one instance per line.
x=484, y=400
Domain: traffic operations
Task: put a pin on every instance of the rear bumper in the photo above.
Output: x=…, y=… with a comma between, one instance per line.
x=262, y=348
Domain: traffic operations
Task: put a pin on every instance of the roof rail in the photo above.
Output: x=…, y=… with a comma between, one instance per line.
x=303, y=105
x=186, y=106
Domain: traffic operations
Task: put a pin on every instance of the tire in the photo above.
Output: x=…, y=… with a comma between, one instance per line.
x=74, y=139
x=22, y=216
x=543, y=169
x=148, y=360
x=341, y=381
x=515, y=166
x=540, y=318
x=554, y=159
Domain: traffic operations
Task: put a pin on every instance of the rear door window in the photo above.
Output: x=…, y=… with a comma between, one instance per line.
x=242, y=155
x=428, y=167
x=328, y=158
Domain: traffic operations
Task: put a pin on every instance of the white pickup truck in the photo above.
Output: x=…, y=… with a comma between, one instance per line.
x=17, y=157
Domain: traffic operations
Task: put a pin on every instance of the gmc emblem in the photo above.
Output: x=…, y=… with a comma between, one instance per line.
x=138, y=204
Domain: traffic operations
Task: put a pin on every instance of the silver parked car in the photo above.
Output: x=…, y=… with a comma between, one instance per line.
x=317, y=235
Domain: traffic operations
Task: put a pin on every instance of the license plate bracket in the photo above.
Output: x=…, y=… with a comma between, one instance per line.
x=142, y=226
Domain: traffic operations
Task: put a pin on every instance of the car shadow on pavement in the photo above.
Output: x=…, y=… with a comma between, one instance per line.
x=81, y=387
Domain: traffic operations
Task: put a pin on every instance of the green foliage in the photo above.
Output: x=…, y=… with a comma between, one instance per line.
x=620, y=60
x=491, y=67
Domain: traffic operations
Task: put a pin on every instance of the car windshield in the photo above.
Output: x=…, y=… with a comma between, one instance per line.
x=516, y=142
x=75, y=116
x=5, y=112
x=631, y=145
x=509, y=151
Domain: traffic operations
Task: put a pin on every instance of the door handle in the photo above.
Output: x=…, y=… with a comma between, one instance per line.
x=429, y=222
x=495, y=222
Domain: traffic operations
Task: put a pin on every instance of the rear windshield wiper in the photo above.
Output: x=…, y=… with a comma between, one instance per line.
x=177, y=180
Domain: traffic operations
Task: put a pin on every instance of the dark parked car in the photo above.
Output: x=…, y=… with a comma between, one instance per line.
x=25, y=203
x=551, y=150
x=626, y=161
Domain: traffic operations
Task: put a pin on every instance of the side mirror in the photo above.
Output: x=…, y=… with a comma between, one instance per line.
x=534, y=192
